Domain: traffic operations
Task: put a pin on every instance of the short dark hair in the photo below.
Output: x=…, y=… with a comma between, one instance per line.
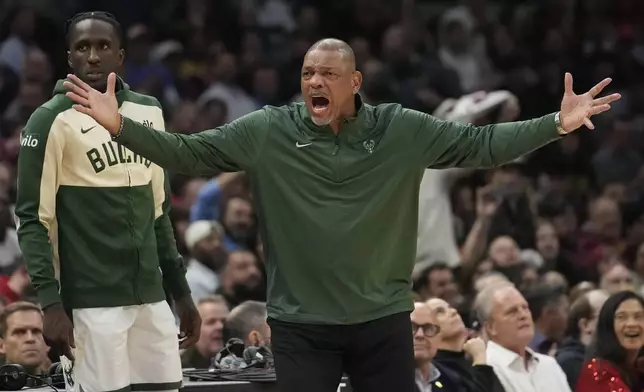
x=243, y=319
x=606, y=345
x=422, y=280
x=542, y=297
x=97, y=15
x=15, y=307
x=580, y=309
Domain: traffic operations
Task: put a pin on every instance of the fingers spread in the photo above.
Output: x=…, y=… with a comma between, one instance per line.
x=599, y=87
x=607, y=99
x=599, y=109
x=75, y=89
x=82, y=109
x=77, y=81
x=77, y=98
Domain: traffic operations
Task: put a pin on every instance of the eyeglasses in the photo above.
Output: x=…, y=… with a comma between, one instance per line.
x=429, y=330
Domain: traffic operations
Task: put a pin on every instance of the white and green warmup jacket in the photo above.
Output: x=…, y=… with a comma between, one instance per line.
x=92, y=216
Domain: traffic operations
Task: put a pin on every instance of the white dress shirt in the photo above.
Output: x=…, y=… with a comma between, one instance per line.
x=543, y=373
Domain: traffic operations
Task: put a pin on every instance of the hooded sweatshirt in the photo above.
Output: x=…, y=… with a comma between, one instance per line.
x=92, y=216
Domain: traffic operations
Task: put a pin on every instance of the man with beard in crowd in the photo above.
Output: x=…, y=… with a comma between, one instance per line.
x=242, y=279
x=238, y=219
x=203, y=240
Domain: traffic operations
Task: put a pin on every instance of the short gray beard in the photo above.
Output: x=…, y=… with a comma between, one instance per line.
x=320, y=122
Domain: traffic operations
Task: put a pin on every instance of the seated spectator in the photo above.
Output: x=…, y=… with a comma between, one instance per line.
x=465, y=361
x=617, y=278
x=241, y=279
x=13, y=287
x=582, y=322
x=616, y=346
x=507, y=322
x=248, y=323
x=21, y=326
x=213, y=312
x=204, y=242
x=549, y=307
x=428, y=377
x=437, y=280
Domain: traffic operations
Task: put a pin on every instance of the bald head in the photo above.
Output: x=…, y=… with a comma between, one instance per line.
x=334, y=44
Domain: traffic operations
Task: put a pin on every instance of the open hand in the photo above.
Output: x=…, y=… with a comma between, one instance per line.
x=576, y=110
x=102, y=107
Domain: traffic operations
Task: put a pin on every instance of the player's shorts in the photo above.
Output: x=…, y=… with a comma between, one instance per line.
x=131, y=348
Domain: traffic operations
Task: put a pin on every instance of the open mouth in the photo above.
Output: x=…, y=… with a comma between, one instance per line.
x=320, y=104
x=632, y=335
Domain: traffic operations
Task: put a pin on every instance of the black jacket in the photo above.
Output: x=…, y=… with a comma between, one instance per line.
x=570, y=356
x=457, y=372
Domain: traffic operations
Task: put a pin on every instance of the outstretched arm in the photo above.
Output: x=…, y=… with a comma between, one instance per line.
x=442, y=144
x=232, y=147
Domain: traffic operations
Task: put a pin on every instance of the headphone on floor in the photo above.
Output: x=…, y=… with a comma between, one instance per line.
x=236, y=356
x=14, y=377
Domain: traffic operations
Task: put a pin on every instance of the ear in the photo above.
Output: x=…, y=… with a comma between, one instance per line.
x=356, y=81
x=582, y=323
x=489, y=328
x=254, y=339
x=2, y=349
x=121, y=56
x=69, y=59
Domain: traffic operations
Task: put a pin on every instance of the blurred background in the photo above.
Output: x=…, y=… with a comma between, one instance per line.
x=569, y=215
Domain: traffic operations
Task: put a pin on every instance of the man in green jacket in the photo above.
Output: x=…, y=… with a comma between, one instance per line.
x=336, y=186
x=95, y=232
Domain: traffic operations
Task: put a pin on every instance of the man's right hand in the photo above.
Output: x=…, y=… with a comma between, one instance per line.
x=59, y=331
x=102, y=107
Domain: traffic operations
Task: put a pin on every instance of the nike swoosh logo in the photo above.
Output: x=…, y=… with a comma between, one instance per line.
x=84, y=131
x=298, y=145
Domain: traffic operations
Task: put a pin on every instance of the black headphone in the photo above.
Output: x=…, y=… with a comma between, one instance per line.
x=14, y=377
x=242, y=356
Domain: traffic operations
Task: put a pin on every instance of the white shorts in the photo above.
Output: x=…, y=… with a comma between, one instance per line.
x=130, y=348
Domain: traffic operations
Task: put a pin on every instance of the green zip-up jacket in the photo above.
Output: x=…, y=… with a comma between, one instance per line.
x=93, y=219
x=338, y=214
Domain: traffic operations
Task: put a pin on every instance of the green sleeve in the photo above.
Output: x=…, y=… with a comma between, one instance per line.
x=442, y=144
x=171, y=263
x=232, y=147
x=39, y=162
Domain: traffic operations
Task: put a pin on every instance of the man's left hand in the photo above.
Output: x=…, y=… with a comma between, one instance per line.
x=576, y=110
x=189, y=322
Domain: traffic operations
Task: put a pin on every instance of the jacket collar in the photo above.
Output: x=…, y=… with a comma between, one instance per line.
x=507, y=357
x=354, y=129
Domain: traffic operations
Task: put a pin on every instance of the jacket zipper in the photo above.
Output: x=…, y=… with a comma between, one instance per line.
x=132, y=235
x=336, y=150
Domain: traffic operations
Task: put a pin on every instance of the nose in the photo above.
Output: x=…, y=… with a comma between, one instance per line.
x=316, y=81
x=30, y=337
x=93, y=56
